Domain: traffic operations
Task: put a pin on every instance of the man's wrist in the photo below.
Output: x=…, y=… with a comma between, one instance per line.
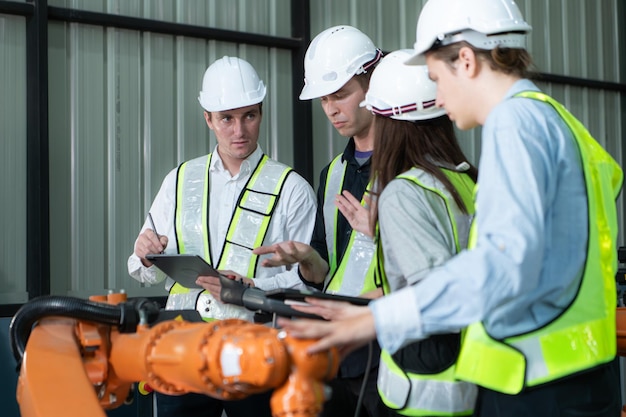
x=317, y=286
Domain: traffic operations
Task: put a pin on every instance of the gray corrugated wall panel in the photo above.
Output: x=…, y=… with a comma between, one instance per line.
x=160, y=9
x=159, y=117
x=399, y=15
x=221, y=17
x=253, y=16
x=13, y=255
x=366, y=12
x=91, y=5
x=124, y=7
x=578, y=38
x=193, y=12
x=60, y=158
x=280, y=114
x=89, y=150
x=124, y=151
x=245, y=15
x=192, y=131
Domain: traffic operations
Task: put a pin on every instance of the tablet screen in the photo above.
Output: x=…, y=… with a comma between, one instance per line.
x=183, y=268
x=299, y=296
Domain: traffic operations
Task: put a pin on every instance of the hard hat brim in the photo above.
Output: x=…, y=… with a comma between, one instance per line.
x=417, y=59
x=310, y=92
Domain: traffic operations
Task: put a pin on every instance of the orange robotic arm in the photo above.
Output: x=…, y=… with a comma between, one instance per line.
x=76, y=367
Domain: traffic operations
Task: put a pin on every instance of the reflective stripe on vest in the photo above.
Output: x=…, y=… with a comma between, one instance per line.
x=413, y=394
x=583, y=336
x=439, y=394
x=347, y=277
x=248, y=227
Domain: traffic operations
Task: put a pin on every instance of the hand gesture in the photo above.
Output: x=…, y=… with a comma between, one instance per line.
x=312, y=267
x=357, y=215
x=284, y=253
x=350, y=327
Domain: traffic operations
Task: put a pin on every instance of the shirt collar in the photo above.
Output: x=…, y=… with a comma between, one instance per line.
x=519, y=86
x=348, y=152
x=246, y=166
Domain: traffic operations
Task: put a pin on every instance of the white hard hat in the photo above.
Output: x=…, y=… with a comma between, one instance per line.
x=230, y=83
x=485, y=24
x=400, y=91
x=333, y=57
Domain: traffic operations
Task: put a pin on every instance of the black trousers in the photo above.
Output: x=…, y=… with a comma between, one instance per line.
x=345, y=395
x=197, y=405
x=594, y=393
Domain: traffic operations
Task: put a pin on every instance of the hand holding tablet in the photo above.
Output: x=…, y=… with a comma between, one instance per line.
x=184, y=268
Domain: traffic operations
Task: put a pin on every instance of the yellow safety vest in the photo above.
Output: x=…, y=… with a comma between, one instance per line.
x=346, y=277
x=410, y=393
x=583, y=336
x=248, y=227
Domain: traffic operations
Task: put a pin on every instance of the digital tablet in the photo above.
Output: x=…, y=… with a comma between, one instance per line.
x=286, y=295
x=184, y=268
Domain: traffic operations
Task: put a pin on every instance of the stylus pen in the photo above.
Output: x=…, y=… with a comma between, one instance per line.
x=153, y=226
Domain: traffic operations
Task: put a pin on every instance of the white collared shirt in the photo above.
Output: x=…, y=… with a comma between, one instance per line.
x=293, y=219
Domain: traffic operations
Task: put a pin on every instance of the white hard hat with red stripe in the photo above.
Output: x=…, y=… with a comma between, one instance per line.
x=400, y=91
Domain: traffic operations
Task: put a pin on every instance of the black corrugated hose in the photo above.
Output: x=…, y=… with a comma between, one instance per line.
x=125, y=316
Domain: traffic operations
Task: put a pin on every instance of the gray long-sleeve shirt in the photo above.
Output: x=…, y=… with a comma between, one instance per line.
x=416, y=231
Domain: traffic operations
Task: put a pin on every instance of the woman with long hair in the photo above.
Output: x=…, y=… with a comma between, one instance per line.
x=421, y=210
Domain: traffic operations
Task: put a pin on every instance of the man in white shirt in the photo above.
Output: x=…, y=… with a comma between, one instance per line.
x=220, y=206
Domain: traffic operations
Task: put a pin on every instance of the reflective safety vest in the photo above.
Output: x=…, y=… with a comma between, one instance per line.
x=347, y=273
x=582, y=336
x=248, y=227
x=408, y=391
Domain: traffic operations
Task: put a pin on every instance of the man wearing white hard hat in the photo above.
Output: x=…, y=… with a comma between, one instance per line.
x=536, y=287
x=338, y=64
x=199, y=210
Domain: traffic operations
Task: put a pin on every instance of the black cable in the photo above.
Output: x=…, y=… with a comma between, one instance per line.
x=125, y=315
x=366, y=375
x=26, y=317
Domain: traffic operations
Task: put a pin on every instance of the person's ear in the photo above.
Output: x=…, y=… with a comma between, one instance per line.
x=468, y=62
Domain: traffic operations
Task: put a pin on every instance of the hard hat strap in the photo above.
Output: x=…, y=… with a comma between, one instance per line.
x=371, y=63
x=398, y=110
